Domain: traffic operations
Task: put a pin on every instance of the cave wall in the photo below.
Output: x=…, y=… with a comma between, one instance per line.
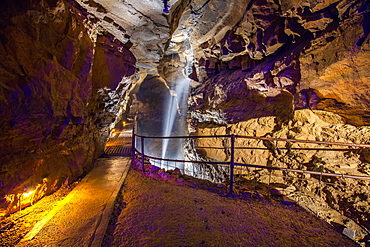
x=288, y=69
x=267, y=58
x=350, y=197
x=61, y=82
x=67, y=68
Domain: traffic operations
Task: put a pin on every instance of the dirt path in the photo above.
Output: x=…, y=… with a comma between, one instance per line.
x=160, y=213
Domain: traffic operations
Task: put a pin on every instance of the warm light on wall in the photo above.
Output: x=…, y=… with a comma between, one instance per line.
x=27, y=194
x=26, y=198
x=20, y=200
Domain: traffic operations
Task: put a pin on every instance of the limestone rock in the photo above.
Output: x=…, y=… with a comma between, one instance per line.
x=55, y=116
x=68, y=67
x=317, y=51
x=347, y=196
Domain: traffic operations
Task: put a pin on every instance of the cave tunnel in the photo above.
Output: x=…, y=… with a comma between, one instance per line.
x=78, y=78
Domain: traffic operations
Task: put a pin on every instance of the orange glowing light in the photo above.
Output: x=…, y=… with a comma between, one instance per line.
x=27, y=194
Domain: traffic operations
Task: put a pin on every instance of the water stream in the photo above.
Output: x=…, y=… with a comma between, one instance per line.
x=175, y=122
x=175, y=107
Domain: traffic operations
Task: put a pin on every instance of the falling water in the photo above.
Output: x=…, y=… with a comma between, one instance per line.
x=174, y=118
x=174, y=122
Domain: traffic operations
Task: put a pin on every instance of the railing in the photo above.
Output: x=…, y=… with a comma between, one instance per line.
x=231, y=163
x=309, y=188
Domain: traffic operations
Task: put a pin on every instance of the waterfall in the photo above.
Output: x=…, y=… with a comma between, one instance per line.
x=174, y=119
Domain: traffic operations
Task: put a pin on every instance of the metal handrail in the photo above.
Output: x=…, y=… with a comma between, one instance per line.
x=305, y=171
x=259, y=138
x=232, y=147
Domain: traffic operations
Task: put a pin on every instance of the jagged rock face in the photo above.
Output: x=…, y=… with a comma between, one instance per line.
x=66, y=67
x=266, y=58
x=350, y=197
x=55, y=115
x=139, y=24
x=257, y=62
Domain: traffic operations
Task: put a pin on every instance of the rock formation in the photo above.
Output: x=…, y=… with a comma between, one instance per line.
x=62, y=86
x=347, y=196
x=295, y=69
x=263, y=58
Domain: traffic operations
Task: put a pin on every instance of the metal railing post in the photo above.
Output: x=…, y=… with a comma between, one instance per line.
x=133, y=142
x=232, y=164
x=133, y=148
x=142, y=154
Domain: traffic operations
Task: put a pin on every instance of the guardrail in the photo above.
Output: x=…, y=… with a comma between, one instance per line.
x=231, y=164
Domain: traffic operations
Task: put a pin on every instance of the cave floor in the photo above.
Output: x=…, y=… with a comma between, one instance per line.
x=81, y=218
x=174, y=211
x=169, y=211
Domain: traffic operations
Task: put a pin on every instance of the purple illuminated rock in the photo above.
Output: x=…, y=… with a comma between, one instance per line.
x=317, y=51
x=55, y=121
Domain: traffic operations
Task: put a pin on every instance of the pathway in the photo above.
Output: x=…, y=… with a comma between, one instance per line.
x=81, y=218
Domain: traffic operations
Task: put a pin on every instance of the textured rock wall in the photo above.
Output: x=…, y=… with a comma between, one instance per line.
x=266, y=58
x=55, y=114
x=257, y=62
x=349, y=197
x=66, y=71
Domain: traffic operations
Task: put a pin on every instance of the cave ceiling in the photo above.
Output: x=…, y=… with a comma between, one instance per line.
x=253, y=58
